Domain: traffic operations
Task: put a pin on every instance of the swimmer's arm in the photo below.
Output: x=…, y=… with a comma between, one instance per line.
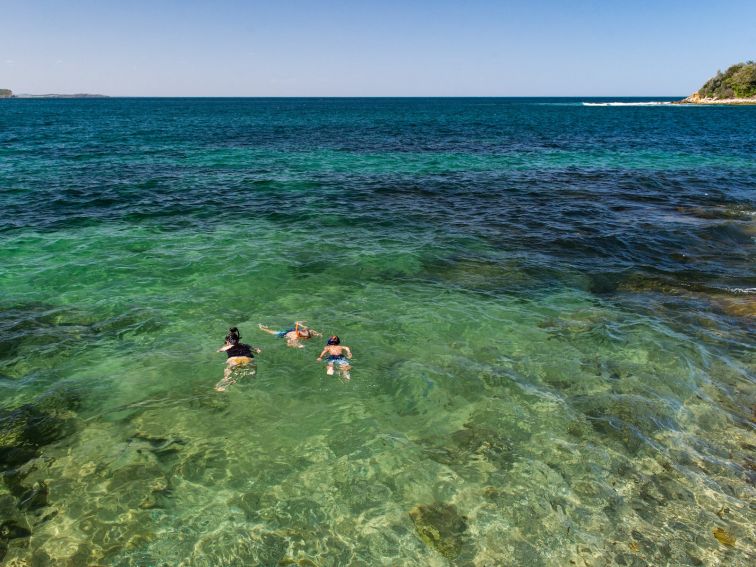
x=322, y=354
x=224, y=348
x=348, y=351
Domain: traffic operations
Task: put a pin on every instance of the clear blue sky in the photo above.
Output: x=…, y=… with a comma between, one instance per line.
x=371, y=48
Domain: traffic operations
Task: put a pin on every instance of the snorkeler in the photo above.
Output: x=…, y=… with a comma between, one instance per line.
x=335, y=351
x=238, y=354
x=293, y=335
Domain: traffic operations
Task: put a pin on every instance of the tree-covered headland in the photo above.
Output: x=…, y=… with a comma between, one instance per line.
x=739, y=81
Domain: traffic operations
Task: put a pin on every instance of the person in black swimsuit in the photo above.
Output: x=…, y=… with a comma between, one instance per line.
x=238, y=354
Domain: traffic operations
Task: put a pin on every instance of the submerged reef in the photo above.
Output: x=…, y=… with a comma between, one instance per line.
x=24, y=431
x=440, y=526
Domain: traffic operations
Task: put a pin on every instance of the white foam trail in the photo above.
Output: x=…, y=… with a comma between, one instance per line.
x=743, y=290
x=657, y=103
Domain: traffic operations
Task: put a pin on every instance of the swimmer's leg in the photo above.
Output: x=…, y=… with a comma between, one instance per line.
x=223, y=384
x=267, y=329
x=345, y=374
x=329, y=369
x=227, y=380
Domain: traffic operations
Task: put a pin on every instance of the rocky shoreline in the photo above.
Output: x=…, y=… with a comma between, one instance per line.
x=695, y=98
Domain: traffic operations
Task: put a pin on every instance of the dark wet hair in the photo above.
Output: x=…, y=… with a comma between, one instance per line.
x=233, y=336
x=334, y=340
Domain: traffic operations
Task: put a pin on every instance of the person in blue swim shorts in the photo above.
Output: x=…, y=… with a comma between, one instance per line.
x=299, y=332
x=334, y=352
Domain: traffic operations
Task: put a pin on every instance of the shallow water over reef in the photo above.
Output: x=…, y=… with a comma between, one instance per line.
x=551, y=308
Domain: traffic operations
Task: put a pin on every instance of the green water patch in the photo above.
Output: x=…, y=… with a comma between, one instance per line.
x=285, y=166
x=481, y=421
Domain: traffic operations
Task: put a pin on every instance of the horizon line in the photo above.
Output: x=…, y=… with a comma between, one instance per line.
x=96, y=96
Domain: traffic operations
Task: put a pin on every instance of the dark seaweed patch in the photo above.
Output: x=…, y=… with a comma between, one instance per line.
x=24, y=430
x=11, y=530
x=441, y=527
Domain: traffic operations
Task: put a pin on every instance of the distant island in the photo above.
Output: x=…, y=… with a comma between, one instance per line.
x=7, y=93
x=737, y=85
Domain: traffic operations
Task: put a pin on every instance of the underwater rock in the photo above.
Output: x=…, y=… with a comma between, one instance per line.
x=35, y=497
x=273, y=549
x=248, y=502
x=60, y=398
x=607, y=369
x=731, y=212
x=579, y=427
x=14, y=456
x=724, y=537
x=440, y=526
x=13, y=530
x=300, y=562
x=23, y=497
x=63, y=552
x=473, y=441
x=590, y=327
x=606, y=283
x=7, y=506
x=485, y=442
x=631, y=419
x=730, y=302
x=165, y=449
x=641, y=283
x=738, y=306
x=24, y=430
x=361, y=494
x=491, y=492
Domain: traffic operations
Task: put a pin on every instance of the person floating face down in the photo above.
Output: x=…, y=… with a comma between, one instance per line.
x=294, y=335
x=334, y=352
x=238, y=354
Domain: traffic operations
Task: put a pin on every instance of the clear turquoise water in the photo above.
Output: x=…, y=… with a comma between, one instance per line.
x=551, y=308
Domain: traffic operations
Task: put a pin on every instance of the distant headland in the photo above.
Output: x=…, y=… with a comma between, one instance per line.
x=7, y=93
x=737, y=85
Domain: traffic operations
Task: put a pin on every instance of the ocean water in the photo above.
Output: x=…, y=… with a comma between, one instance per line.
x=550, y=306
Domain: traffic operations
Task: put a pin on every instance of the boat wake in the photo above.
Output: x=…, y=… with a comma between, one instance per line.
x=654, y=103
